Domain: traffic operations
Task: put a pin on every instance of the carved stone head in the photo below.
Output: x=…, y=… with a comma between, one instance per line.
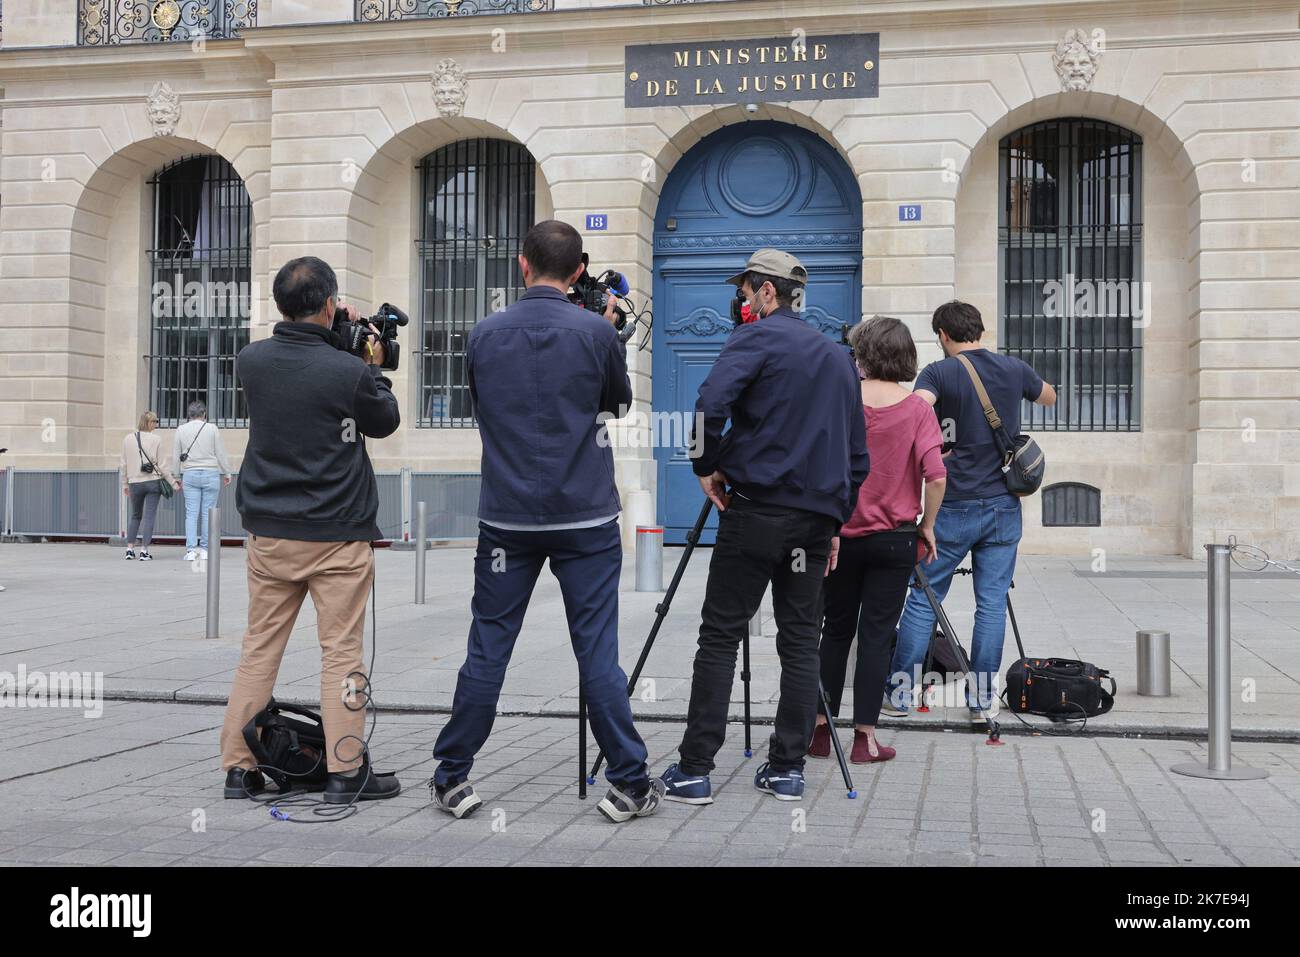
x=164, y=108
x=1076, y=59
x=449, y=88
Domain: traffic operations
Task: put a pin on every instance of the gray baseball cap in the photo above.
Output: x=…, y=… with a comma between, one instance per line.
x=773, y=262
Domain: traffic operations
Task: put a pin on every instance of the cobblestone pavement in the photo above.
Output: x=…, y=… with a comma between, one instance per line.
x=133, y=786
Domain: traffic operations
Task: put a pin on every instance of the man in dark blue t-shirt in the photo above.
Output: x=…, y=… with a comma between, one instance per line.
x=979, y=516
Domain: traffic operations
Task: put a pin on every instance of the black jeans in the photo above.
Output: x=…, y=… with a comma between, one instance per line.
x=758, y=544
x=864, y=597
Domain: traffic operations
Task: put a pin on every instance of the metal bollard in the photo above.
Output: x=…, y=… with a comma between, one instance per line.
x=1219, y=628
x=649, y=558
x=419, y=552
x=1153, y=663
x=214, y=573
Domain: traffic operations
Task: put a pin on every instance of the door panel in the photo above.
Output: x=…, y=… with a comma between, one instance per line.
x=744, y=187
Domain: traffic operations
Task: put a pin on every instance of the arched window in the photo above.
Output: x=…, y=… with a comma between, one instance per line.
x=477, y=201
x=1070, y=258
x=201, y=273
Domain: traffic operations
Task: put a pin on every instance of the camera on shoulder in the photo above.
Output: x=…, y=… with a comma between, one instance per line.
x=593, y=294
x=354, y=336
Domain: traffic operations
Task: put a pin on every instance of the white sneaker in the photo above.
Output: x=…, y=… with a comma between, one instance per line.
x=203, y=554
x=191, y=555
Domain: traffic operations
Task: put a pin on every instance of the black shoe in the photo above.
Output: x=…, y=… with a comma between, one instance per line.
x=365, y=785
x=242, y=784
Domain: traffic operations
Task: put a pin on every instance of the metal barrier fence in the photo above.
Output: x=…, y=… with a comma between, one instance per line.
x=42, y=503
x=451, y=503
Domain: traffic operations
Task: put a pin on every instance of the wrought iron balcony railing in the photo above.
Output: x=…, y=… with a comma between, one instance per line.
x=372, y=10
x=105, y=22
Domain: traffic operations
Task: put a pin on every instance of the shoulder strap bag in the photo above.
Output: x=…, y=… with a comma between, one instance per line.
x=185, y=456
x=1023, y=462
x=149, y=468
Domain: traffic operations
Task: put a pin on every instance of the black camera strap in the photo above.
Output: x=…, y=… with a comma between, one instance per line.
x=186, y=456
x=143, y=457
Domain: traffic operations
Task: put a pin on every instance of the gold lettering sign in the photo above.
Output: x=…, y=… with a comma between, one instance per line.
x=753, y=71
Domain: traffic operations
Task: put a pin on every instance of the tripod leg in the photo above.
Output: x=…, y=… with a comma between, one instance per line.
x=744, y=677
x=661, y=611
x=582, y=745
x=995, y=737
x=835, y=740
x=1015, y=627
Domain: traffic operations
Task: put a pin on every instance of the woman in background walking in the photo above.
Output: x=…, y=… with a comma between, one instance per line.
x=865, y=593
x=143, y=465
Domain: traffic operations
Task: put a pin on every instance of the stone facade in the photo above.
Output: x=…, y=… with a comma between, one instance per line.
x=325, y=121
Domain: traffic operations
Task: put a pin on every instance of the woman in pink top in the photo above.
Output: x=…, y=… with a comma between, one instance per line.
x=881, y=542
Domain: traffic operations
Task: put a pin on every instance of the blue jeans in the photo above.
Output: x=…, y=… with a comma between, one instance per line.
x=989, y=531
x=201, y=486
x=586, y=562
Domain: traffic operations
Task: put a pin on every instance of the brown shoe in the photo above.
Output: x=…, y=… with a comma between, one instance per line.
x=862, y=750
x=821, y=742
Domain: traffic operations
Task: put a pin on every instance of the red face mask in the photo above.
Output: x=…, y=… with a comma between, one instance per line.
x=746, y=314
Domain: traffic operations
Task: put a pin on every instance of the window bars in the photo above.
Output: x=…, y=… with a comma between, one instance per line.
x=477, y=204
x=372, y=10
x=107, y=22
x=1072, y=303
x=200, y=293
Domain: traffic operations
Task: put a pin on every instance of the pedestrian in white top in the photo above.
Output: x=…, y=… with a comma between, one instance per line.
x=201, y=457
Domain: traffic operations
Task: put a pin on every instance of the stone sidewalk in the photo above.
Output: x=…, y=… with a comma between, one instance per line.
x=141, y=786
x=81, y=607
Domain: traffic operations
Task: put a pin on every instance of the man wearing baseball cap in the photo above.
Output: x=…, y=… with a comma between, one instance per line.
x=793, y=460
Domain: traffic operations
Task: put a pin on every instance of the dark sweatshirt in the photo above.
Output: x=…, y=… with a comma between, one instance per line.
x=798, y=434
x=306, y=475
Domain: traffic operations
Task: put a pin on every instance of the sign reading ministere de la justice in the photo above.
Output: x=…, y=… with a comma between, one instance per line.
x=779, y=69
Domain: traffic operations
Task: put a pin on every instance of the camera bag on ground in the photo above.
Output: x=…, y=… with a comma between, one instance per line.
x=1061, y=689
x=1023, y=462
x=289, y=750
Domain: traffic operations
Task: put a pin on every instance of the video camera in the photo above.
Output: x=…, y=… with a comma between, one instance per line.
x=354, y=336
x=593, y=294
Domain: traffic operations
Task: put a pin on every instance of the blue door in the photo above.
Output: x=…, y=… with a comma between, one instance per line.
x=746, y=186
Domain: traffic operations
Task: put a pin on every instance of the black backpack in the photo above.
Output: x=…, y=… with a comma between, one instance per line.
x=289, y=751
x=1058, y=688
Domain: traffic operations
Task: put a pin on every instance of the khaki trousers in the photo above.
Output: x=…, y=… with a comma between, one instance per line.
x=280, y=574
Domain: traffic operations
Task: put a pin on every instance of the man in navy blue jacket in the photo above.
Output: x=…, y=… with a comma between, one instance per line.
x=794, y=459
x=541, y=374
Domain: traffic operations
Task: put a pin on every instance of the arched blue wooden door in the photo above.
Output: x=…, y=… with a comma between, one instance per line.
x=746, y=186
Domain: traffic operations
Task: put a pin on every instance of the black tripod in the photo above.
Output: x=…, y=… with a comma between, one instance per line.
x=661, y=612
x=945, y=627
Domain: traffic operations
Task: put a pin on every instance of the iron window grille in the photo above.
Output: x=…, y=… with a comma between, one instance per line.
x=366, y=11
x=200, y=290
x=109, y=22
x=477, y=198
x=1071, y=505
x=1071, y=299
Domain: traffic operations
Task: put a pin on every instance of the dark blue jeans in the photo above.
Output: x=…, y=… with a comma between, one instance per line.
x=587, y=562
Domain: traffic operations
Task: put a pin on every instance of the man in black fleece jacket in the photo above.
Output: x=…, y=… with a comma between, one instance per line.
x=794, y=460
x=308, y=499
